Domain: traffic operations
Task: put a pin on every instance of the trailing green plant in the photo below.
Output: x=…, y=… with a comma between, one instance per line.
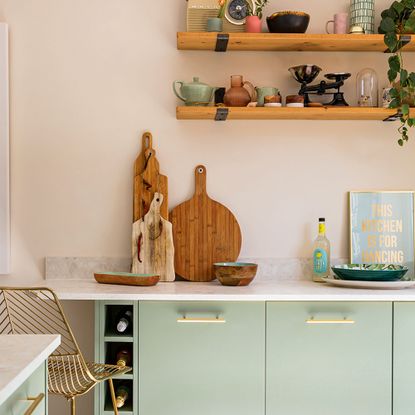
x=397, y=20
x=258, y=9
x=222, y=8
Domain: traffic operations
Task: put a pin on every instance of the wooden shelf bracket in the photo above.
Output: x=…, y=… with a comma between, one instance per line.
x=393, y=117
x=222, y=41
x=221, y=114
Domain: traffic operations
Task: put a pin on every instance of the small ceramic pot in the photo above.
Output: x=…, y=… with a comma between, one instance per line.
x=273, y=99
x=295, y=101
x=253, y=24
x=262, y=92
x=214, y=24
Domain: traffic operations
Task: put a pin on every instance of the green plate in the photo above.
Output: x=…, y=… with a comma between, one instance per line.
x=370, y=272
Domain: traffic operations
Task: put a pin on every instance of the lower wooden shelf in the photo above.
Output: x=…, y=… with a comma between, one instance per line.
x=284, y=113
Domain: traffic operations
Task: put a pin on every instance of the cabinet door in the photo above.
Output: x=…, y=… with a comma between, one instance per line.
x=404, y=359
x=329, y=358
x=201, y=358
x=24, y=397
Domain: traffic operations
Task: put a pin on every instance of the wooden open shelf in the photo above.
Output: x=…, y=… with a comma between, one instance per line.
x=297, y=42
x=284, y=113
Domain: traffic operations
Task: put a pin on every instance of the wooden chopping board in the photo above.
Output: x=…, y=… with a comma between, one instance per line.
x=148, y=180
x=152, y=243
x=204, y=232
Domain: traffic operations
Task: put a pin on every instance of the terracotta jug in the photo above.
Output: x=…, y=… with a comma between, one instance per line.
x=237, y=95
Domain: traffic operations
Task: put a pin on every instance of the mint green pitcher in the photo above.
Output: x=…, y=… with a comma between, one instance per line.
x=194, y=93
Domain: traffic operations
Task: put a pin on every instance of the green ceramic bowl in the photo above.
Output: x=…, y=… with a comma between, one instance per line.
x=370, y=272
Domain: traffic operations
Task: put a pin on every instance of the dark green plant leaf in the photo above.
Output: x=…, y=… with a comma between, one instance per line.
x=394, y=93
x=389, y=13
x=391, y=41
x=398, y=7
x=394, y=62
x=405, y=111
x=403, y=76
x=392, y=75
x=394, y=103
x=388, y=25
x=400, y=142
x=409, y=24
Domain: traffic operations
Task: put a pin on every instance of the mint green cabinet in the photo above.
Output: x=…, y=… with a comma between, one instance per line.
x=201, y=358
x=24, y=397
x=329, y=358
x=404, y=359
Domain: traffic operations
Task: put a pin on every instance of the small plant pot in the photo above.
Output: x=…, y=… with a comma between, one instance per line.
x=253, y=24
x=214, y=24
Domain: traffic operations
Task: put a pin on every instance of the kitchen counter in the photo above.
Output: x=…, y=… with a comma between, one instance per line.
x=18, y=361
x=261, y=289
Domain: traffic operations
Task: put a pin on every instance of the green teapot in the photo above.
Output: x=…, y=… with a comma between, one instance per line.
x=194, y=93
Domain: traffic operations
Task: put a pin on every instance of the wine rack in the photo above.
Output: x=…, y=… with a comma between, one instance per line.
x=107, y=343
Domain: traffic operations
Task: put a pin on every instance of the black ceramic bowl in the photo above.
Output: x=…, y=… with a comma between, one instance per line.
x=288, y=22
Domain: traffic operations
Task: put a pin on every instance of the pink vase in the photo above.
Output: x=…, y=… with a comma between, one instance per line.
x=253, y=24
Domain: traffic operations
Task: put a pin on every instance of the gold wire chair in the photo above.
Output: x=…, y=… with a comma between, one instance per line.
x=38, y=311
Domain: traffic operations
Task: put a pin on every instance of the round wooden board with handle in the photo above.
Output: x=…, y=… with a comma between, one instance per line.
x=204, y=232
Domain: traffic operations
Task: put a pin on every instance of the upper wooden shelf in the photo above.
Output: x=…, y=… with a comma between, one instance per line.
x=298, y=42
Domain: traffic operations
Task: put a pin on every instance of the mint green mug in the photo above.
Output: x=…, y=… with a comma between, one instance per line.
x=263, y=92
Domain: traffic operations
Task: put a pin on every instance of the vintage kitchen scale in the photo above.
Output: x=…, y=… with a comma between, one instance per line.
x=198, y=12
x=306, y=74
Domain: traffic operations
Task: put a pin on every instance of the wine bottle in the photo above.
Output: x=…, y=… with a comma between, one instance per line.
x=124, y=321
x=321, y=253
x=122, y=394
x=123, y=357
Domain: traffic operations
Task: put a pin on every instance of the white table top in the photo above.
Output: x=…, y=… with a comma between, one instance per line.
x=20, y=356
x=259, y=290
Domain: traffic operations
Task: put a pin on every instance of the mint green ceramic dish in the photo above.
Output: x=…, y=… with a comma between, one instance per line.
x=370, y=272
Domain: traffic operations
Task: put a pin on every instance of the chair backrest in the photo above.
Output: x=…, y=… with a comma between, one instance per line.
x=36, y=311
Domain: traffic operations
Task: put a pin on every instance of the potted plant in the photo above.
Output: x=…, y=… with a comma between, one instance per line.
x=215, y=24
x=254, y=16
x=399, y=19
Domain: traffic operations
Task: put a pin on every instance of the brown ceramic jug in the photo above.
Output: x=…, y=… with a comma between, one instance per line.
x=237, y=95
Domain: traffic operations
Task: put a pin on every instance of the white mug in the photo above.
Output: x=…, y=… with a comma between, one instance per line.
x=340, y=23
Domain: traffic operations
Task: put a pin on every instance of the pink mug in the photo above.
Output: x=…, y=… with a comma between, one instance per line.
x=340, y=23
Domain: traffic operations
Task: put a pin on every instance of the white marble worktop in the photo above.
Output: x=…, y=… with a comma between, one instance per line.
x=20, y=356
x=261, y=289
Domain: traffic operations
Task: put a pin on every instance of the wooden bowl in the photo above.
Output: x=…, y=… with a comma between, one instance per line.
x=125, y=278
x=235, y=274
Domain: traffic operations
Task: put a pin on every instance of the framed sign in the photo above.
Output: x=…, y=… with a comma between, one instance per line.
x=382, y=228
x=4, y=153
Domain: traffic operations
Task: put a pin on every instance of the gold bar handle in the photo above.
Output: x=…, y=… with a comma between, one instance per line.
x=343, y=321
x=201, y=320
x=35, y=403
